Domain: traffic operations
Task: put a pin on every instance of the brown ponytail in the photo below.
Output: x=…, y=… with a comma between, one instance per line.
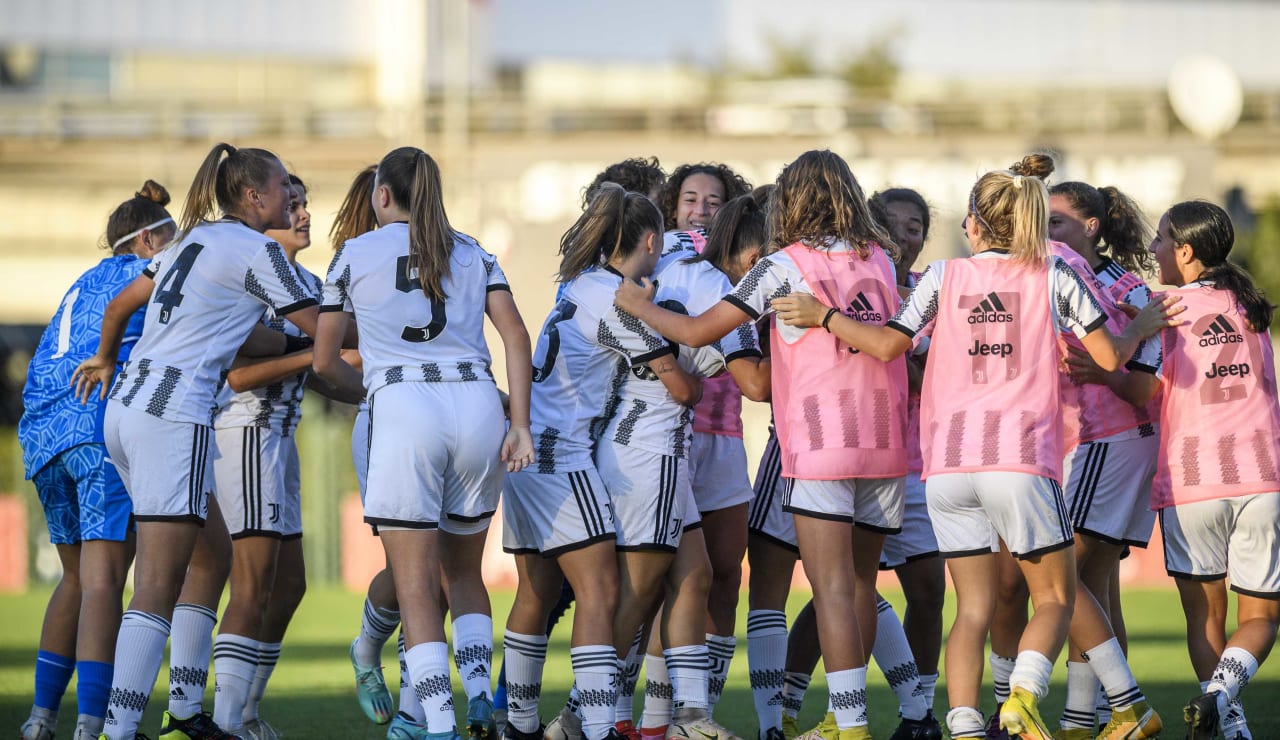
x=1208, y=230
x=611, y=226
x=147, y=206
x=413, y=178
x=356, y=215
x=1123, y=231
x=222, y=181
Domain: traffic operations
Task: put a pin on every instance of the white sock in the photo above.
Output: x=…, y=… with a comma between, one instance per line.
x=848, y=691
x=268, y=656
x=687, y=667
x=628, y=675
x=1235, y=668
x=767, y=660
x=1233, y=723
x=1031, y=673
x=965, y=722
x=1112, y=669
x=376, y=627
x=595, y=671
x=409, y=705
x=929, y=684
x=524, y=656
x=429, y=671
x=1082, y=694
x=720, y=650
x=794, y=686
x=473, y=653
x=139, y=652
x=192, y=635
x=657, y=693
x=1001, y=669
x=893, y=654
x=1102, y=707
x=235, y=661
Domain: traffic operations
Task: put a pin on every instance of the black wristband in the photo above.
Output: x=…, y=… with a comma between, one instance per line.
x=294, y=344
x=826, y=320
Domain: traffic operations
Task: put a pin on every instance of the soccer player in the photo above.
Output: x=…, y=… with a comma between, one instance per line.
x=420, y=291
x=84, y=501
x=203, y=297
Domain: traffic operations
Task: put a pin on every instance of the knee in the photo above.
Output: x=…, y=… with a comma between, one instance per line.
x=726, y=578
x=290, y=589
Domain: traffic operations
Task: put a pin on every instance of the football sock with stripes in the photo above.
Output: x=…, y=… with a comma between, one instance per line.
x=893, y=654
x=189, y=658
x=524, y=656
x=376, y=627
x=235, y=661
x=429, y=671
x=687, y=668
x=139, y=652
x=1082, y=693
x=624, y=707
x=767, y=659
x=657, y=693
x=1112, y=669
x=268, y=656
x=595, y=671
x=473, y=653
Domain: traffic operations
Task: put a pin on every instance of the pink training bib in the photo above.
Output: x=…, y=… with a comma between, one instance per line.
x=1089, y=411
x=990, y=399
x=841, y=413
x=1220, y=435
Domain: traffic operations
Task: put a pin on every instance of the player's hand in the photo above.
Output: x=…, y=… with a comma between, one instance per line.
x=517, y=449
x=352, y=358
x=800, y=309
x=1082, y=367
x=632, y=296
x=92, y=373
x=1156, y=315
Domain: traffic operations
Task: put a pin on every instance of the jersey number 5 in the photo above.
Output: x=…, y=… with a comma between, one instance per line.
x=563, y=311
x=439, y=319
x=169, y=292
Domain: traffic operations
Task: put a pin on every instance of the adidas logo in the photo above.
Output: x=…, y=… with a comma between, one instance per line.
x=861, y=309
x=990, y=311
x=775, y=700
x=1220, y=332
x=177, y=693
x=111, y=717
x=477, y=672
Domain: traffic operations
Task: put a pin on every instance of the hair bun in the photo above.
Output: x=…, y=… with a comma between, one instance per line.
x=1038, y=166
x=154, y=192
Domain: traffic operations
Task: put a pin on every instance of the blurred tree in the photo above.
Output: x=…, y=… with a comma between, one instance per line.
x=874, y=71
x=789, y=58
x=1257, y=246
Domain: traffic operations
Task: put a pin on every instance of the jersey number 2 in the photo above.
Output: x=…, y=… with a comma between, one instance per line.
x=439, y=319
x=169, y=292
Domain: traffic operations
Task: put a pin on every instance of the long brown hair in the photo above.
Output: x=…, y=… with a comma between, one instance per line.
x=413, y=178
x=147, y=206
x=356, y=215
x=1208, y=230
x=611, y=226
x=1123, y=231
x=818, y=201
x=739, y=225
x=1012, y=208
x=221, y=181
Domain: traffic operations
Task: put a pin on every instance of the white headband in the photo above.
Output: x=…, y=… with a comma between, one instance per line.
x=149, y=227
x=1017, y=181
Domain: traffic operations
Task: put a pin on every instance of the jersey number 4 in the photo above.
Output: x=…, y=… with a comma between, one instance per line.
x=439, y=319
x=169, y=292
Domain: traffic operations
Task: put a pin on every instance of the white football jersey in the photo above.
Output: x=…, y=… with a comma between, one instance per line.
x=584, y=351
x=277, y=406
x=210, y=291
x=644, y=414
x=403, y=335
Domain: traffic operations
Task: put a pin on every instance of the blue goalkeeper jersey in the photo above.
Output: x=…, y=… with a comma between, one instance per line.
x=53, y=420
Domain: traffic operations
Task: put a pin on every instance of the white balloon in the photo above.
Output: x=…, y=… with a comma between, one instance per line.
x=1206, y=94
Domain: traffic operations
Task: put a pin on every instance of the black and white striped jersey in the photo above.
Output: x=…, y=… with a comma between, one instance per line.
x=277, y=406
x=404, y=336
x=210, y=291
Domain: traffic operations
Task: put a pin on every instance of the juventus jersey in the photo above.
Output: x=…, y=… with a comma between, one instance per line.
x=210, y=291
x=646, y=417
x=584, y=352
x=1073, y=307
x=53, y=419
x=404, y=336
x=277, y=406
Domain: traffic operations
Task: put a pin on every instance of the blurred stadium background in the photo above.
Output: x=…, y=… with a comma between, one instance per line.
x=523, y=102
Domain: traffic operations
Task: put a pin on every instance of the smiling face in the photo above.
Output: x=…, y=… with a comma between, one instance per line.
x=298, y=236
x=270, y=203
x=1166, y=254
x=701, y=195
x=906, y=227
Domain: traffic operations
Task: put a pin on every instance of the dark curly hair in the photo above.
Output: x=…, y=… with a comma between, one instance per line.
x=636, y=175
x=733, y=184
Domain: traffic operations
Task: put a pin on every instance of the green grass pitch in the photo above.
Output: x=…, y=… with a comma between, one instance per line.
x=312, y=692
